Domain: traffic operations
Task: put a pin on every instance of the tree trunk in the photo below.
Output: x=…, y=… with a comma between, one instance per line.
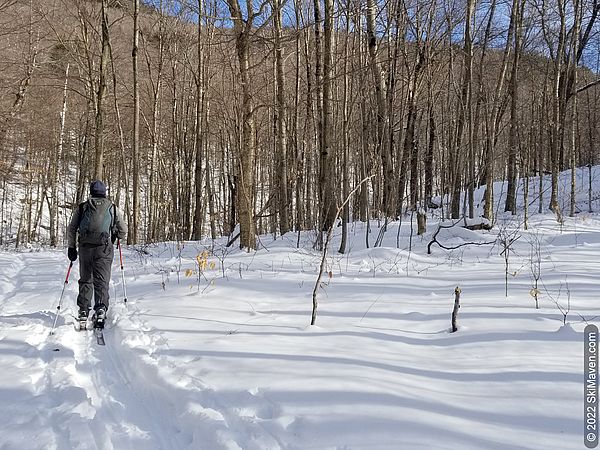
x=53, y=203
x=464, y=108
x=99, y=131
x=154, y=129
x=328, y=154
x=323, y=90
x=382, y=150
x=247, y=158
x=132, y=236
x=345, y=136
x=428, y=162
x=280, y=125
x=199, y=210
x=495, y=119
x=572, y=94
x=558, y=105
x=511, y=195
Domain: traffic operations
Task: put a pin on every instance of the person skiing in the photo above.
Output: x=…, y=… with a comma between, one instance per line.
x=95, y=225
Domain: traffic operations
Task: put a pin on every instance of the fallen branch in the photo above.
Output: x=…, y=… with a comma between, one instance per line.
x=435, y=241
x=232, y=240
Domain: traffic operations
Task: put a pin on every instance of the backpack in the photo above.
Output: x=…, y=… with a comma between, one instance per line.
x=96, y=221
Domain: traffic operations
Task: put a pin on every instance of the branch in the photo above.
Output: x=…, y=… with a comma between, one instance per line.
x=232, y=240
x=585, y=36
x=435, y=241
x=587, y=86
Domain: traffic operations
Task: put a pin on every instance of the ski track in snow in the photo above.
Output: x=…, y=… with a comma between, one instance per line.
x=93, y=397
x=203, y=420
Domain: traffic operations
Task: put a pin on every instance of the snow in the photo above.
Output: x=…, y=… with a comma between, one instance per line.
x=226, y=359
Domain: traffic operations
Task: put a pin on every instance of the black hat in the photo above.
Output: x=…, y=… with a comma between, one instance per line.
x=97, y=189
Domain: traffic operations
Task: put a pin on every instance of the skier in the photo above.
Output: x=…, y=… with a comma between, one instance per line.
x=95, y=225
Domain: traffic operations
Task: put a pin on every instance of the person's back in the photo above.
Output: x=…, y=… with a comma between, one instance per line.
x=97, y=216
x=95, y=226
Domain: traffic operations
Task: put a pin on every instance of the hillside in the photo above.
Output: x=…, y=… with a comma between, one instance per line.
x=268, y=142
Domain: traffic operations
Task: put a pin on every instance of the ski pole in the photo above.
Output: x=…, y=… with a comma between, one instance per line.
x=122, y=271
x=61, y=297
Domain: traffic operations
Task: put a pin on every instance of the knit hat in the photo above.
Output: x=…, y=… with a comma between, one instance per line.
x=97, y=189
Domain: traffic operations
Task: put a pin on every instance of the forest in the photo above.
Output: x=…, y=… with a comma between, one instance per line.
x=217, y=118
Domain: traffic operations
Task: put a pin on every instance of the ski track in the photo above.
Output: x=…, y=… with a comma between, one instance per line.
x=203, y=419
x=128, y=405
x=120, y=396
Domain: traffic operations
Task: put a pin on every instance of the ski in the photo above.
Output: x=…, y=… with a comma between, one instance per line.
x=99, y=336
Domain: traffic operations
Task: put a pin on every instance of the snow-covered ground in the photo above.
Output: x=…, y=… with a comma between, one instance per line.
x=231, y=361
x=225, y=358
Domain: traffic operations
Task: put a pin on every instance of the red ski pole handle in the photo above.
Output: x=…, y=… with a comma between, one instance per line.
x=68, y=272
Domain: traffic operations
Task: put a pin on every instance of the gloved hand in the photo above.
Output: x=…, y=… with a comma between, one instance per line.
x=72, y=253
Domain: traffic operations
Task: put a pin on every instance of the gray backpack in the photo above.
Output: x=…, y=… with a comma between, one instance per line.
x=96, y=221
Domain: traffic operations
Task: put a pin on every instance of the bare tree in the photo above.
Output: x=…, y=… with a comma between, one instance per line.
x=243, y=27
x=135, y=145
x=99, y=125
x=497, y=112
x=280, y=121
x=382, y=150
x=511, y=195
x=200, y=124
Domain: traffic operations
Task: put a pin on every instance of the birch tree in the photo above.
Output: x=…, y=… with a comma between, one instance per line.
x=135, y=145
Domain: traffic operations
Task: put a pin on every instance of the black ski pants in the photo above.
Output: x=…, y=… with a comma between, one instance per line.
x=95, y=263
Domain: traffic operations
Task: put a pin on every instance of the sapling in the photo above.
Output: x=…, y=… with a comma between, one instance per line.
x=201, y=263
x=324, y=250
x=369, y=308
x=396, y=263
x=412, y=232
x=564, y=310
x=525, y=165
x=507, y=239
x=567, y=310
x=163, y=282
x=535, y=259
x=180, y=247
x=222, y=256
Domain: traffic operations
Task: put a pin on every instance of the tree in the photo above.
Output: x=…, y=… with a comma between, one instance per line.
x=200, y=124
x=135, y=146
x=382, y=150
x=99, y=131
x=280, y=121
x=511, y=195
x=242, y=29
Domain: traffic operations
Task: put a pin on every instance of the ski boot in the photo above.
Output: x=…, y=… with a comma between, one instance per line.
x=83, y=317
x=99, y=318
